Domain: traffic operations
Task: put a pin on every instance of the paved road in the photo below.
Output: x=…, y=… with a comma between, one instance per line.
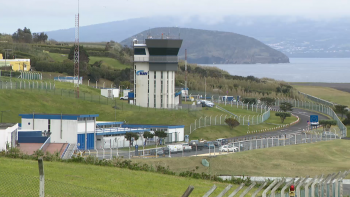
x=304, y=116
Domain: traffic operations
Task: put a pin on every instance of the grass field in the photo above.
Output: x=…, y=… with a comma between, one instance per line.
x=29, y=101
x=326, y=93
x=223, y=131
x=109, y=62
x=296, y=160
x=72, y=179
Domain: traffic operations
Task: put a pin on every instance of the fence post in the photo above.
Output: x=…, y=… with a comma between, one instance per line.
x=188, y=191
x=236, y=190
x=212, y=189
x=285, y=187
x=225, y=191
x=259, y=189
x=276, y=187
x=41, y=178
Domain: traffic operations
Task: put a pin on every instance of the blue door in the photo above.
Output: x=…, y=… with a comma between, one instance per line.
x=90, y=141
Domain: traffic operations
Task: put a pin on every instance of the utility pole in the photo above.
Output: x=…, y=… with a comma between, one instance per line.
x=186, y=74
x=205, y=88
x=6, y=53
x=76, y=53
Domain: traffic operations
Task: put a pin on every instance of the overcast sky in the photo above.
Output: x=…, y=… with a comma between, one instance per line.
x=46, y=15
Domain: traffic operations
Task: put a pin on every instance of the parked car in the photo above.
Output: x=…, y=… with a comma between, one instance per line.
x=195, y=144
x=209, y=145
x=159, y=151
x=227, y=148
x=186, y=147
x=222, y=141
x=124, y=98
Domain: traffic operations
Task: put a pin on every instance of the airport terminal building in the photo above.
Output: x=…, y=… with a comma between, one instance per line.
x=155, y=63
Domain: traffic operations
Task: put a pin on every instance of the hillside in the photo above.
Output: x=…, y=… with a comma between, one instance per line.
x=216, y=47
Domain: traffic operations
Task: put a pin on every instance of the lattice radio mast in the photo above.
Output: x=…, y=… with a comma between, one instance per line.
x=76, y=53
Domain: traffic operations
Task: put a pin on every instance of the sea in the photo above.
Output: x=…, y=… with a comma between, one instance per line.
x=324, y=70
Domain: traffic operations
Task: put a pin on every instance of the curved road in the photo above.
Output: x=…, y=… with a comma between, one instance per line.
x=303, y=115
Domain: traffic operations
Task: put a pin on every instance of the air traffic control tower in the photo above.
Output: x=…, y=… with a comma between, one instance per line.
x=155, y=63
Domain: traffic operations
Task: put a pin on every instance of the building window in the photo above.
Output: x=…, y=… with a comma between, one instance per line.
x=139, y=51
x=167, y=86
x=155, y=86
x=167, y=99
x=155, y=74
x=161, y=86
x=49, y=125
x=167, y=74
x=154, y=101
x=161, y=101
x=161, y=74
x=148, y=86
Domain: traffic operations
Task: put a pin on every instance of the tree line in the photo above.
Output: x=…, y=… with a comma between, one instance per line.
x=25, y=36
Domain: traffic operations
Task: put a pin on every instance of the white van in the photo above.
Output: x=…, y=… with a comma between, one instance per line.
x=175, y=148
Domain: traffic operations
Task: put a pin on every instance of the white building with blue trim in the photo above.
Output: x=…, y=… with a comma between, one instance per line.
x=84, y=131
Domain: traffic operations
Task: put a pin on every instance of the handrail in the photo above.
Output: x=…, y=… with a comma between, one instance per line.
x=46, y=144
x=65, y=150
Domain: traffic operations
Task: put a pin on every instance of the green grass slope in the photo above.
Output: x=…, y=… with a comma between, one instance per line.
x=72, y=179
x=109, y=62
x=29, y=101
x=223, y=131
x=296, y=160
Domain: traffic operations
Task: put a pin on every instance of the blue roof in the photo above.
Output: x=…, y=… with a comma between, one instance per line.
x=58, y=116
x=152, y=126
x=123, y=132
x=108, y=123
x=177, y=93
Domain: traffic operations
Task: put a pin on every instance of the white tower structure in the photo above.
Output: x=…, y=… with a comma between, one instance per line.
x=155, y=63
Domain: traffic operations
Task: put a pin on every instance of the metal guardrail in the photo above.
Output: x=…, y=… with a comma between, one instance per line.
x=46, y=144
x=65, y=150
x=319, y=107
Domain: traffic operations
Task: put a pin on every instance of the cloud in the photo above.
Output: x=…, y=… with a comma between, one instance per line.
x=43, y=15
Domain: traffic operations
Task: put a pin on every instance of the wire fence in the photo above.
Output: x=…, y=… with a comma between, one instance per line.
x=13, y=184
x=319, y=107
x=49, y=88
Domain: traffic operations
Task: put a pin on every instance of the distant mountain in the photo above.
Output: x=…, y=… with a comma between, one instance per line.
x=208, y=47
x=295, y=37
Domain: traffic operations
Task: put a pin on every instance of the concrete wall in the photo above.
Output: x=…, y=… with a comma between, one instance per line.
x=90, y=126
x=5, y=136
x=114, y=92
x=69, y=131
x=107, y=142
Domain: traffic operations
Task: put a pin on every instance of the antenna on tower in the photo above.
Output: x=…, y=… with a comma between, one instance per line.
x=76, y=53
x=186, y=74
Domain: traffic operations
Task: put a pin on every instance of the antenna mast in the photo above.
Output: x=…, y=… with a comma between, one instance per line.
x=76, y=53
x=186, y=74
